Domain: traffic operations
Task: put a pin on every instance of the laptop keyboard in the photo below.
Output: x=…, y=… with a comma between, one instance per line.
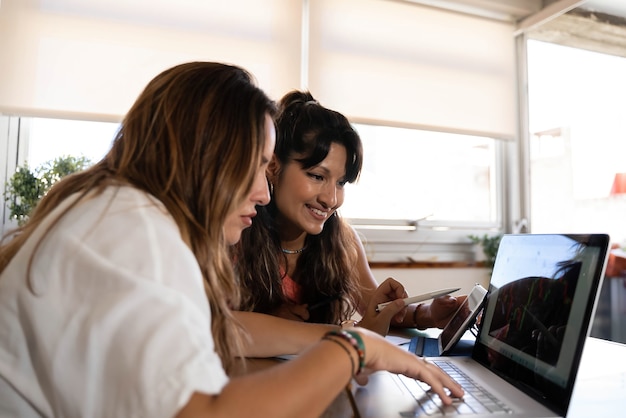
x=476, y=400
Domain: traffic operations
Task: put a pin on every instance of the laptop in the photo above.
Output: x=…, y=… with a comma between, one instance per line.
x=449, y=342
x=536, y=317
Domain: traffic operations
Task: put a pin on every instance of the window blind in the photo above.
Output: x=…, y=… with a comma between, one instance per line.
x=68, y=57
x=410, y=65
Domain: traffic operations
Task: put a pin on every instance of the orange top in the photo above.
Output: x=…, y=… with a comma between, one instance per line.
x=291, y=289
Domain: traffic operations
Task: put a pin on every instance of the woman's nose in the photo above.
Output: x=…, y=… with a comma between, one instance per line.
x=328, y=196
x=260, y=194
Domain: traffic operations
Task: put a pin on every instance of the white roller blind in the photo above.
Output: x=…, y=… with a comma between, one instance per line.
x=406, y=64
x=63, y=57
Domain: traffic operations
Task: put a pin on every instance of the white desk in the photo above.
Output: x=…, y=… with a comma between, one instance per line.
x=600, y=388
x=599, y=391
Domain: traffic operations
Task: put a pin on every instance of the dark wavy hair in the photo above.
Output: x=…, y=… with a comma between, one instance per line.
x=326, y=270
x=193, y=139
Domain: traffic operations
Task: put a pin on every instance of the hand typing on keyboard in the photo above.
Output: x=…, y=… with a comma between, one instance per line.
x=382, y=355
x=475, y=401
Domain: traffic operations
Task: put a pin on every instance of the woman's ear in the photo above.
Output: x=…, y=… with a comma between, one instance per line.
x=273, y=168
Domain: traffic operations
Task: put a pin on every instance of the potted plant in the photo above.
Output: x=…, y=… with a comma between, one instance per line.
x=26, y=187
x=489, y=246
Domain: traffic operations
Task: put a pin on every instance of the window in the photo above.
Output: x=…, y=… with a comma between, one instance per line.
x=413, y=175
x=577, y=143
x=52, y=138
x=421, y=193
x=408, y=175
x=438, y=187
x=38, y=140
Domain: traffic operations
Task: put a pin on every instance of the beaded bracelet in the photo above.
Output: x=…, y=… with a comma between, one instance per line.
x=355, y=341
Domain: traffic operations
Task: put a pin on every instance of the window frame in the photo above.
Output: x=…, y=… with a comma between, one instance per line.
x=11, y=141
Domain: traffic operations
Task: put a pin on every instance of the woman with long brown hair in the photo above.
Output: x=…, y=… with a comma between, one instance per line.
x=301, y=260
x=116, y=296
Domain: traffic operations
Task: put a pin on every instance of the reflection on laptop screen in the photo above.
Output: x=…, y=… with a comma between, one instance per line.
x=538, y=308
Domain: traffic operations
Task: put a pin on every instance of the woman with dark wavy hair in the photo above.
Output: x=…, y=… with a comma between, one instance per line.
x=116, y=296
x=300, y=260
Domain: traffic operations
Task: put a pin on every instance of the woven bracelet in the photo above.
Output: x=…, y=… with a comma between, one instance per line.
x=355, y=341
x=330, y=338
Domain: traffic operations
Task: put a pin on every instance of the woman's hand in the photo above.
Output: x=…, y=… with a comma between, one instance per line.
x=380, y=354
x=388, y=291
x=443, y=308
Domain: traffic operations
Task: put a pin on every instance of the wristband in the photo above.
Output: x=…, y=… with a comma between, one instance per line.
x=329, y=338
x=355, y=341
x=415, y=316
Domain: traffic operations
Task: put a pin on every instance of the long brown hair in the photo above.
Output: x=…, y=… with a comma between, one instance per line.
x=326, y=269
x=193, y=139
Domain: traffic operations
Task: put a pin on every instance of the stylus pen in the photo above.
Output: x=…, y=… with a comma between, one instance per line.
x=421, y=298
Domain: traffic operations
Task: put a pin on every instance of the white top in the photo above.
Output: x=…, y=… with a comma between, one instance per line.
x=117, y=323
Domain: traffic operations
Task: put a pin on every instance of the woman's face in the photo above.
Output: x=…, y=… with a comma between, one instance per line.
x=241, y=218
x=306, y=198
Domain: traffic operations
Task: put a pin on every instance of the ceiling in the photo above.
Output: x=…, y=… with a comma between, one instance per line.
x=595, y=25
x=610, y=7
x=519, y=10
x=509, y=10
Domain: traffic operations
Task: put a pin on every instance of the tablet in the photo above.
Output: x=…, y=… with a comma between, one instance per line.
x=463, y=318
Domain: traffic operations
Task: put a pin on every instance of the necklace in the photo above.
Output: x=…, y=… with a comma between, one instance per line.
x=293, y=251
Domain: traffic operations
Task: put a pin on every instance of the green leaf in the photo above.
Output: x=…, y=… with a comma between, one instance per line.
x=25, y=188
x=489, y=245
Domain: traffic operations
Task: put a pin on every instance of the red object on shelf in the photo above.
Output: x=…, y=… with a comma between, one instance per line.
x=619, y=184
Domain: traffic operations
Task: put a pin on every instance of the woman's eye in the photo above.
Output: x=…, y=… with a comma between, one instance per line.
x=316, y=176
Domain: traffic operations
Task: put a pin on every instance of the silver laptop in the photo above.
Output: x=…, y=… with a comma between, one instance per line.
x=536, y=318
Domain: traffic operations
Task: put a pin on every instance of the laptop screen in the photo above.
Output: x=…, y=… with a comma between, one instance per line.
x=538, y=311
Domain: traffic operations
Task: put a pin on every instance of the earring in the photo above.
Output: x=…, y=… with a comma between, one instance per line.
x=271, y=188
